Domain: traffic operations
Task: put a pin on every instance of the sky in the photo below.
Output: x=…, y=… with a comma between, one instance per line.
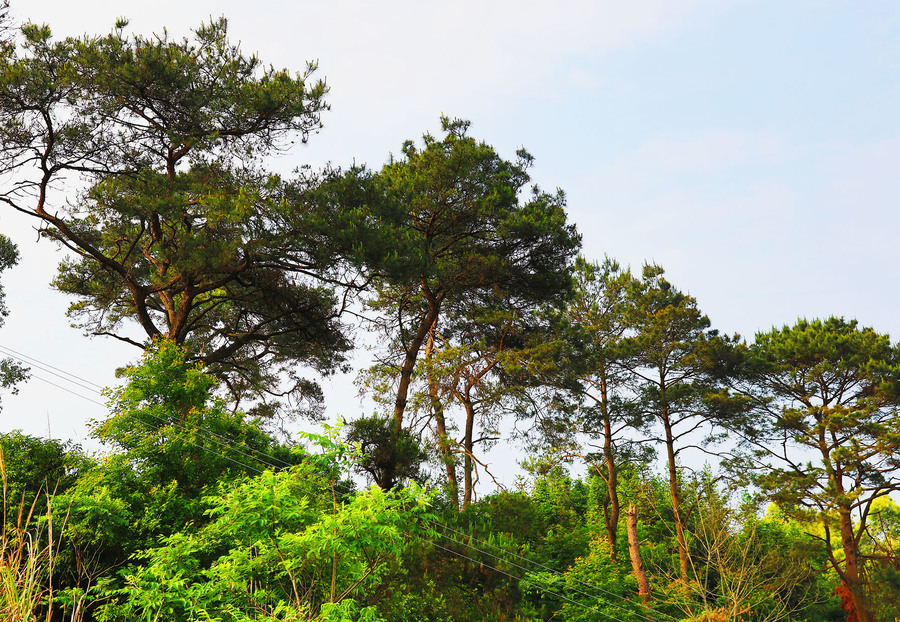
x=751, y=149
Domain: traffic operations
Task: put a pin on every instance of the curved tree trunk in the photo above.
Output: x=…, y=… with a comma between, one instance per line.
x=427, y=323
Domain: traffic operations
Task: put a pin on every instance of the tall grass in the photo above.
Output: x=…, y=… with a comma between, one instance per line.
x=26, y=560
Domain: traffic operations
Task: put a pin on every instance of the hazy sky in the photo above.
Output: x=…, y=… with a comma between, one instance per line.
x=750, y=148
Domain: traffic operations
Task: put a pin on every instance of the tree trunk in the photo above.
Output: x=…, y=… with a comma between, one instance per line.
x=428, y=322
x=437, y=408
x=854, y=580
x=468, y=445
x=611, y=517
x=675, y=491
x=634, y=551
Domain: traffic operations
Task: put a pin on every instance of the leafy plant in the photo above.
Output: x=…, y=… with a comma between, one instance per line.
x=279, y=545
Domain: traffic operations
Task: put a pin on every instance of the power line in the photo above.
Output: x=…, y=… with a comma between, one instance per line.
x=32, y=361
x=222, y=441
x=547, y=568
x=58, y=386
x=520, y=579
x=552, y=570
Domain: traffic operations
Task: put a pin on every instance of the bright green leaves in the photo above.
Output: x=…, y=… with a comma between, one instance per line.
x=348, y=611
x=172, y=440
x=171, y=428
x=165, y=386
x=33, y=469
x=279, y=546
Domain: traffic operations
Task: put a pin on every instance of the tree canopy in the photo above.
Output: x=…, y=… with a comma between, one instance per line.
x=177, y=229
x=441, y=230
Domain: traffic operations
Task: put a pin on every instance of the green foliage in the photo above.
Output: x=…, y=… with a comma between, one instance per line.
x=563, y=504
x=34, y=469
x=167, y=426
x=441, y=232
x=172, y=442
x=348, y=611
x=278, y=546
x=509, y=536
x=11, y=372
x=595, y=588
x=389, y=459
x=479, y=551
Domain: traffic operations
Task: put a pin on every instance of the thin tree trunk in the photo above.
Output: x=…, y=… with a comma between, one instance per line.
x=611, y=517
x=468, y=445
x=634, y=551
x=437, y=408
x=675, y=491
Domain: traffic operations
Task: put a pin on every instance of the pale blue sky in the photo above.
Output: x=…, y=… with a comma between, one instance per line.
x=750, y=148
